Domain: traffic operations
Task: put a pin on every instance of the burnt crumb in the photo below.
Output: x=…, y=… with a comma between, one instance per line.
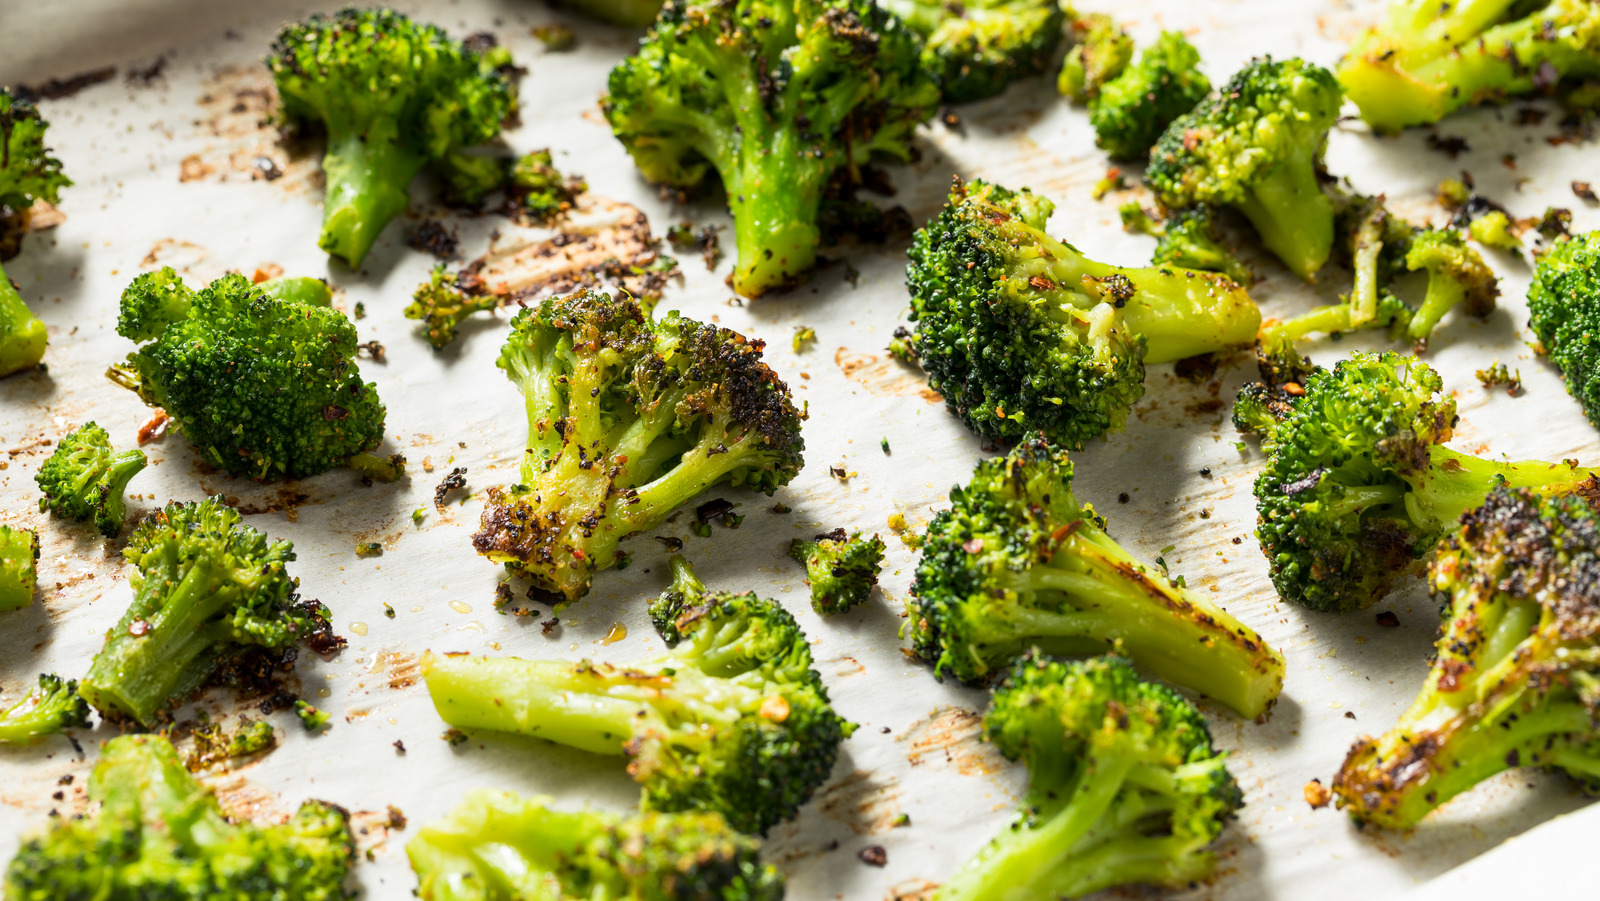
x=431, y=236
x=683, y=237
x=1349, y=714
x=1451, y=145
x=480, y=42
x=59, y=88
x=65, y=780
x=372, y=349
x=1238, y=540
x=1388, y=618
x=1555, y=223
x=949, y=118
x=548, y=626
x=1205, y=472
x=266, y=169
x=839, y=473
x=1197, y=368
x=454, y=736
x=1317, y=794
x=399, y=746
x=145, y=76
x=720, y=509
x=1123, y=498
x=1529, y=115
x=455, y=480
x=397, y=820
x=502, y=596
x=1584, y=191
x=873, y=855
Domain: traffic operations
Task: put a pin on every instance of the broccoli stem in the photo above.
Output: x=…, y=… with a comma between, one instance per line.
x=1457, y=482
x=22, y=334
x=1442, y=295
x=774, y=194
x=369, y=177
x=1363, y=301
x=49, y=708
x=555, y=700
x=1292, y=214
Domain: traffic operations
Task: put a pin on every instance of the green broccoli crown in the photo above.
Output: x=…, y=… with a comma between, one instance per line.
x=842, y=569
x=441, y=307
x=1017, y=562
x=1564, y=314
x=1124, y=785
x=1132, y=110
x=496, y=846
x=976, y=50
x=392, y=95
x=263, y=386
x=1101, y=50
x=628, y=420
x=1457, y=276
x=51, y=707
x=85, y=478
x=1516, y=669
x=27, y=170
x=1189, y=240
x=19, y=555
x=1263, y=404
x=775, y=96
x=158, y=833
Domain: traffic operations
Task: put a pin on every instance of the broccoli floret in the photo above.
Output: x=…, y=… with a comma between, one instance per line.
x=1564, y=314
x=209, y=588
x=976, y=50
x=496, y=846
x=19, y=555
x=49, y=708
x=732, y=719
x=441, y=307
x=627, y=13
x=467, y=178
x=842, y=569
x=1018, y=562
x=155, y=832
x=28, y=173
x=1132, y=110
x=1124, y=785
x=1264, y=403
x=1256, y=147
x=1513, y=680
x=628, y=420
x=774, y=96
x=543, y=192
x=1188, y=239
x=1426, y=58
x=263, y=386
x=1021, y=332
x=1100, y=51
x=1359, y=483
x=1494, y=229
x=85, y=478
x=1457, y=276
x=392, y=95
x=310, y=717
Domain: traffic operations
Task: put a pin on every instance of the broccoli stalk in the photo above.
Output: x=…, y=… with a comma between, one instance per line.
x=1132, y=110
x=28, y=173
x=441, y=307
x=49, y=708
x=842, y=569
x=85, y=478
x=1564, y=314
x=976, y=50
x=19, y=555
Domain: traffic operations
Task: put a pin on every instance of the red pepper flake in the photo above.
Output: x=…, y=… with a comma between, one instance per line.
x=138, y=627
x=1040, y=283
x=972, y=545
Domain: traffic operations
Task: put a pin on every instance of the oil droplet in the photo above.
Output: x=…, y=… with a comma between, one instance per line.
x=494, y=645
x=617, y=633
x=473, y=627
x=417, y=609
x=460, y=607
x=359, y=628
x=324, y=692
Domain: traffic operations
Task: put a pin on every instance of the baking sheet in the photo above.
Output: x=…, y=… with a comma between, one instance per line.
x=163, y=170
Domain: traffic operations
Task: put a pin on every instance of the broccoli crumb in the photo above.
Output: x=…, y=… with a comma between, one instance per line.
x=388, y=611
x=901, y=821
x=901, y=346
x=310, y=717
x=781, y=508
x=361, y=310
x=873, y=856
x=399, y=746
x=1113, y=181
x=454, y=736
x=1453, y=194
x=455, y=480
x=1494, y=229
x=369, y=549
x=1497, y=375
x=418, y=514
x=1584, y=191
x=556, y=37
x=884, y=443
x=804, y=337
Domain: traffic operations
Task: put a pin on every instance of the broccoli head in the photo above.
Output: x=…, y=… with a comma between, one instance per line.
x=1100, y=51
x=153, y=831
x=19, y=555
x=628, y=420
x=1132, y=110
x=1564, y=314
x=976, y=50
x=264, y=386
x=28, y=173
x=392, y=95
x=466, y=179
x=1457, y=276
x=842, y=569
x=496, y=846
x=775, y=97
x=441, y=307
x=1190, y=240
x=51, y=707
x=1124, y=785
x=543, y=192
x=1515, y=675
x=85, y=478
x=1264, y=403
x=1256, y=147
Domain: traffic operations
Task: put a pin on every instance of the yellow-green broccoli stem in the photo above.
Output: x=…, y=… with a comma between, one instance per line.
x=774, y=194
x=22, y=334
x=50, y=707
x=19, y=553
x=369, y=178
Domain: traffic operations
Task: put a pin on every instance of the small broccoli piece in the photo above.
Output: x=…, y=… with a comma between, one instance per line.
x=976, y=50
x=1498, y=376
x=628, y=420
x=209, y=588
x=1132, y=110
x=19, y=555
x=262, y=385
x=49, y=708
x=496, y=846
x=1262, y=404
x=1100, y=51
x=542, y=191
x=441, y=307
x=313, y=292
x=1453, y=194
x=842, y=570
x=155, y=832
x=1457, y=276
x=902, y=346
x=804, y=337
x=732, y=719
x=392, y=96
x=28, y=173
x=557, y=37
x=1189, y=240
x=213, y=746
x=1494, y=229
x=373, y=468
x=466, y=179
x=1256, y=147
x=85, y=478
x=1564, y=314
x=627, y=13
x=1359, y=483
x=1021, y=332
x=1124, y=785
x=310, y=717
x=774, y=98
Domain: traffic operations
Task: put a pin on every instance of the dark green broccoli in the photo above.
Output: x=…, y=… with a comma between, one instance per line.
x=627, y=13
x=28, y=173
x=468, y=178
x=1188, y=239
x=51, y=707
x=496, y=846
x=209, y=588
x=212, y=745
x=542, y=192
x=85, y=478
x=1257, y=147
x=263, y=386
x=774, y=97
x=1515, y=670
x=1564, y=314
x=732, y=719
x=392, y=95
x=628, y=420
x=1020, y=332
x=1019, y=563
x=19, y=555
x=976, y=50
x=154, y=832
x=441, y=306
x=1124, y=785
x=1264, y=403
x=842, y=569
x=1100, y=51
x=1132, y=110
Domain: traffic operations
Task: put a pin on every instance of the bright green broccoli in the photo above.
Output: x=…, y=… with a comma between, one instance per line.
x=85, y=478
x=19, y=555
x=1020, y=332
x=627, y=13
x=775, y=97
x=1257, y=147
x=496, y=846
x=310, y=717
x=628, y=420
x=842, y=569
x=28, y=173
x=263, y=386
x=441, y=307
x=1124, y=785
x=1131, y=111
x=392, y=95
x=1189, y=240
x=154, y=832
x=732, y=719
x=543, y=193
x=1100, y=51
x=976, y=50
x=49, y=708
x=1564, y=314
x=1457, y=276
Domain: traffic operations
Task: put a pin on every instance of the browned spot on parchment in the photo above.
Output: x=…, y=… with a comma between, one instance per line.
x=180, y=255
x=236, y=115
x=864, y=801
x=952, y=737
x=912, y=890
x=883, y=375
x=600, y=241
x=400, y=665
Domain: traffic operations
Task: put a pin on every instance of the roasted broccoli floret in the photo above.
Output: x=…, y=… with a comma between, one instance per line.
x=85, y=478
x=775, y=97
x=627, y=13
x=208, y=588
x=1457, y=276
x=28, y=173
x=49, y=708
x=976, y=50
x=1428, y=58
x=466, y=179
x=1124, y=785
x=732, y=719
x=628, y=420
x=1022, y=332
x=1132, y=110
x=1264, y=403
x=441, y=307
x=1256, y=147
x=1515, y=673
x=543, y=193
x=152, y=831
x=1564, y=314
x=19, y=555
x=496, y=846
x=1019, y=563
x=1189, y=240
x=262, y=385
x=1100, y=51
x=1359, y=483
x=842, y=569
x=392, y=95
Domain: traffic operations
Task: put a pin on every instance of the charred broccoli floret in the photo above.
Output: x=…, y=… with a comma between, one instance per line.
x=1100, y=51
x=19, y=555
x=1264, y=403
x=542, y=192
x=1132, y=110
x=28, y=173
x=842, y=569
x=732, y=719
x=85, y=478
x=976, y=50
x=1188, y=239
x=441, y=307
x=1564, y=314
x=1457, y=276
x=51, y=707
